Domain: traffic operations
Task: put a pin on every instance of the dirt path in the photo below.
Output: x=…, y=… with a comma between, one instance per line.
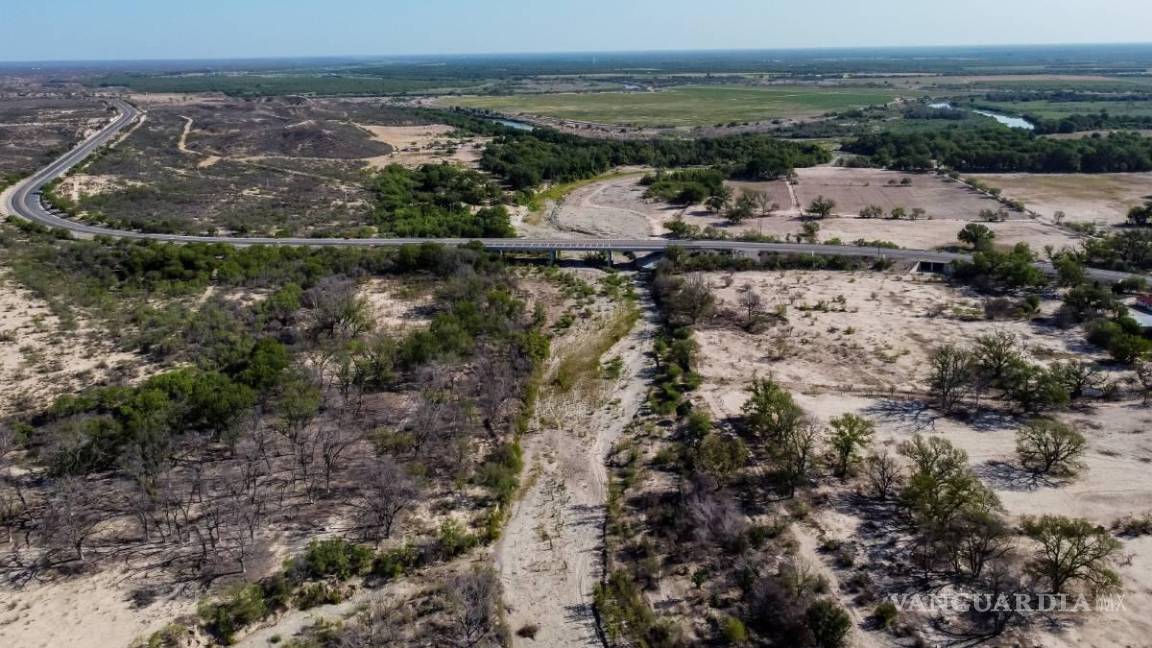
x=550, y=556
x=208, y=160
x=796, y=206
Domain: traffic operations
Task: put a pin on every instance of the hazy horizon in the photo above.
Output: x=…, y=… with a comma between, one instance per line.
x=408, y=56
x=136, y=30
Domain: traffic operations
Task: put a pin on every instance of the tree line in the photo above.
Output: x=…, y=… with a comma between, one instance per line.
x=525, y=160
x=1004, y=150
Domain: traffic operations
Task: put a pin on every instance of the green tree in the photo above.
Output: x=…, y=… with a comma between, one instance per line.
x=821, y=207
x=850, y=434
x=1049, y=447
x=941, y=487
x=720, y=200
x=721, y=456
x=1069, y=270
x=1035, y=388
x=770, y=413
x=978, y=236
x=1072, y=550
x=741, y=210
x=829, y=624
x=996, y=355
x=953, y=371
x=1140, y=216
x=809, y=231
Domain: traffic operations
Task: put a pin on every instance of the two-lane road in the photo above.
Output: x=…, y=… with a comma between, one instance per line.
x=24, y=201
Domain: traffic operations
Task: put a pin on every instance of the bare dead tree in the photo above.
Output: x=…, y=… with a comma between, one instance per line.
x=716, y=519
x=883, y=474
x=472, y=601
x=382, y=624
x=299, y=407
x=334, y=441
x=497, y=386
x=14, y=508
x=386, y=492
x=752, y=303
x=71, y=516
x=334, y=309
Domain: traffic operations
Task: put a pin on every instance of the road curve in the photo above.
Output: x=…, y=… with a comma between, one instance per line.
x=24, y=201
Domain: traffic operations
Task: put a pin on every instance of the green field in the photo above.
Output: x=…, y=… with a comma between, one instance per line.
x=684, y=106
x=1059, y=109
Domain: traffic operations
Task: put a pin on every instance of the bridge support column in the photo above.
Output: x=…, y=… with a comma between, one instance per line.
x=609, y=256
x=552, y=257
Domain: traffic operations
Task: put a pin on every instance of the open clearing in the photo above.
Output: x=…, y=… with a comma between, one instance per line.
x=1103, y=198
x=616, y=208
x=413, y=146
x=855, y=189
x=36, y=364
x=869, y=358
x=684, y=106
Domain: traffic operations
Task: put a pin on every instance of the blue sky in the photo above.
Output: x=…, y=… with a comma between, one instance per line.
x=166, y=29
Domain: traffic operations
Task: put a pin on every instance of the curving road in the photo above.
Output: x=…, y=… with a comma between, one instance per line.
x=24, y=200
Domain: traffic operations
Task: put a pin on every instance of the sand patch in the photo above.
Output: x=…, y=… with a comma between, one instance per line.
x=418, y=145
x=855, y=189
x=397, y=307
x=90, y=611
x=79, y=185
x=40, y=358
x=615, y=208
x=1104, y=197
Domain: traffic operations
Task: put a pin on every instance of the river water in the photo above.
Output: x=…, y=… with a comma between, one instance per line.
x=515, y=124
x=1010, y=122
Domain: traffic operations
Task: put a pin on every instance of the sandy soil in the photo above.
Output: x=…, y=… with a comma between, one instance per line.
x=614, y=208
x=417, y=145
x=1103, y=198
x=36, y=364
x=81, y=184
x=88, y=612
x=394, y=307
x=878, y=338
x=854, y=189
x=918, y=235
x=832, y=371
x=550, y=555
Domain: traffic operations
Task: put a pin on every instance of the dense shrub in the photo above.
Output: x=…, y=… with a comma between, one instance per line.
x=336, y=558
x=243, y=606
x=438, y=200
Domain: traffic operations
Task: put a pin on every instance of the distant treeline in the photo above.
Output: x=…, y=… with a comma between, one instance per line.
x=1089, y=122
x=1066, y=96
x=270, y=85
x=526, y=159
x=1002, y=150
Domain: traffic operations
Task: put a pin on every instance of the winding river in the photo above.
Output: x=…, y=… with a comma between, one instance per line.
x=1009, y=121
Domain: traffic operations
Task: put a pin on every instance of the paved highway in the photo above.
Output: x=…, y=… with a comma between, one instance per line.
x=24, y=201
